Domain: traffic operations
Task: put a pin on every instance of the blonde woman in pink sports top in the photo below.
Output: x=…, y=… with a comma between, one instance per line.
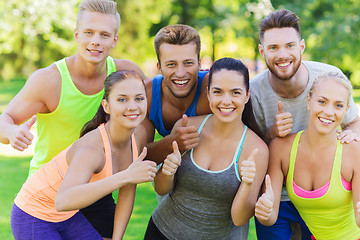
x=322, y=174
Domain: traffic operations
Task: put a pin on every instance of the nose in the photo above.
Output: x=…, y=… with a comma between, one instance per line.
x=180, y=71
x=95, y=40
x=283, y=53
x=226, y=99
x=132, y=105
x=328, y=110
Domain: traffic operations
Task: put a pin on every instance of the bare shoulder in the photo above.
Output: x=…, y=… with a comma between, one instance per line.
x=253, y=141
x=123, y=64
x=88, y=149
x=203, y=103
x=351, y=151
x=45, y=76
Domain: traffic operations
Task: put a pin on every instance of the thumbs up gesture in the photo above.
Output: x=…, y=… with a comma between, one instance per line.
x=141, y=170
x=248, y=168
x=185, y=136
x=172, y=161
x=283, y=123
x=22, y=138
x=265, y=203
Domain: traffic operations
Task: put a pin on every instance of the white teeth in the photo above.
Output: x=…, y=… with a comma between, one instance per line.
x=226, y=110
x=181, y=82
x=325, y=120
x=284, y=64
x=132, y=116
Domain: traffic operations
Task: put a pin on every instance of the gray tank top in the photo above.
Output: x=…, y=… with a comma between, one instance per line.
x=199, y=207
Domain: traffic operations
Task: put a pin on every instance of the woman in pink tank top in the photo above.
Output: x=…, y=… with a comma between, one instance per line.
x=322, y=174
x=103, y=160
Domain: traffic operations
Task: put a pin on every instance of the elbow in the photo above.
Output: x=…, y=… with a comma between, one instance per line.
x=60, y=205
x=239, y=222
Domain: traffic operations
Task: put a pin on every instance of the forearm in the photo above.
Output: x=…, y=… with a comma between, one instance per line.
x=354, y=126
x=83, y=195
x=163, y=183
x=124, y=208
x=6, y=124
x=243, y=206
x=158, y=151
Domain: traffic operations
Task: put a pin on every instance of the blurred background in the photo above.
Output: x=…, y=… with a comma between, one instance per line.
x=35, y=33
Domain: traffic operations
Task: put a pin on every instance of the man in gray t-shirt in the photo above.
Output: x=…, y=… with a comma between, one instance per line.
x=278, y=97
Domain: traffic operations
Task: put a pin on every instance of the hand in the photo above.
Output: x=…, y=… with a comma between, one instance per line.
x=172, y=161
x=141, y=170
x=347, y=136
x=265, y=203
x=22, y=137
x=248, y=168
x=185, y=136
x=283, y=122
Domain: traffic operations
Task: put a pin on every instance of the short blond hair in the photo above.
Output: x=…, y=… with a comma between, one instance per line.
x=338, y=77
x=100, y=6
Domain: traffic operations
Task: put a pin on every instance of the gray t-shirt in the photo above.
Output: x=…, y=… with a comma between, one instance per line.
x=199, y=207
x=265, y=102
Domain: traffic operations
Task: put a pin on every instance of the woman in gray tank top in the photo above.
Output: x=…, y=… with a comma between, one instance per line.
x=217, y=182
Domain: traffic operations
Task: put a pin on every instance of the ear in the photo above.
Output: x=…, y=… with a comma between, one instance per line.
x=200, y=63
x=158, y=66
x=116, y=39
x=248, y=96
x=261, y=50
x=302, y=46
x=76, y=35
x=105, y=106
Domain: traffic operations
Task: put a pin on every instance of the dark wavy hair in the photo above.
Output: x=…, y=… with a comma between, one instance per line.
x=232, y=64
x=101, y=116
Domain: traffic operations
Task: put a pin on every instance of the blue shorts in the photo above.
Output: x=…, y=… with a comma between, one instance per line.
x=25, y=226
x=281, y=230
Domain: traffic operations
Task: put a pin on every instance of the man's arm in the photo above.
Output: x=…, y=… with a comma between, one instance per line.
x=123, y=64
x=351, y=131
x=186, y=137
x=40, y=93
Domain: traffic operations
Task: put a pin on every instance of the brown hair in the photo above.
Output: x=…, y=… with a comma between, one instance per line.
x=101, y=116
x=177, y=34
x=100, y=6
x=279, y=19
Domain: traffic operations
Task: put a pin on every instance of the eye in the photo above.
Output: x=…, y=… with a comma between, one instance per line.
x=273, y=48
x=122, y=100
x=291, y=45
x=189, y=63
x=216, y=92
x=139, y=99
x=340, y=106
x=106, y=35
x=236, y=93
x=170, y=65
x=322, y=102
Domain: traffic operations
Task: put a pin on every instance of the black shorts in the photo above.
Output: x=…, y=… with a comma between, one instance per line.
x=101, y=215
x=153, y=233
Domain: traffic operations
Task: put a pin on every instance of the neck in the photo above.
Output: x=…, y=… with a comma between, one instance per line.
x=85, y=69
x=226, y=130
x=118, y=135
x=293, y=87
x=315, y=140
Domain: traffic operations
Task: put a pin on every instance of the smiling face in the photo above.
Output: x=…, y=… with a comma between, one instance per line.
x=127, y=102
x=227, y=95
x=282, y=51
x=328, y=104
x=179, y=64
x=95, y=34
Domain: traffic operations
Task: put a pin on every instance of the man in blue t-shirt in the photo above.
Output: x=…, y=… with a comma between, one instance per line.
x=178, y=92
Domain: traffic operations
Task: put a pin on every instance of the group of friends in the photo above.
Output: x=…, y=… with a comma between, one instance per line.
x=282, y=146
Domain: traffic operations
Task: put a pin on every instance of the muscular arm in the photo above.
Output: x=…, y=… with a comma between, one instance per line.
x=40, y=94
x=122, y=64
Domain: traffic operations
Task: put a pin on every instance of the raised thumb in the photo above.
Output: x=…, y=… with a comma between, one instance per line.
x=280, y=107
x=268, y=185
x=142, y=155
x=184, y=120
x=30, y=122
